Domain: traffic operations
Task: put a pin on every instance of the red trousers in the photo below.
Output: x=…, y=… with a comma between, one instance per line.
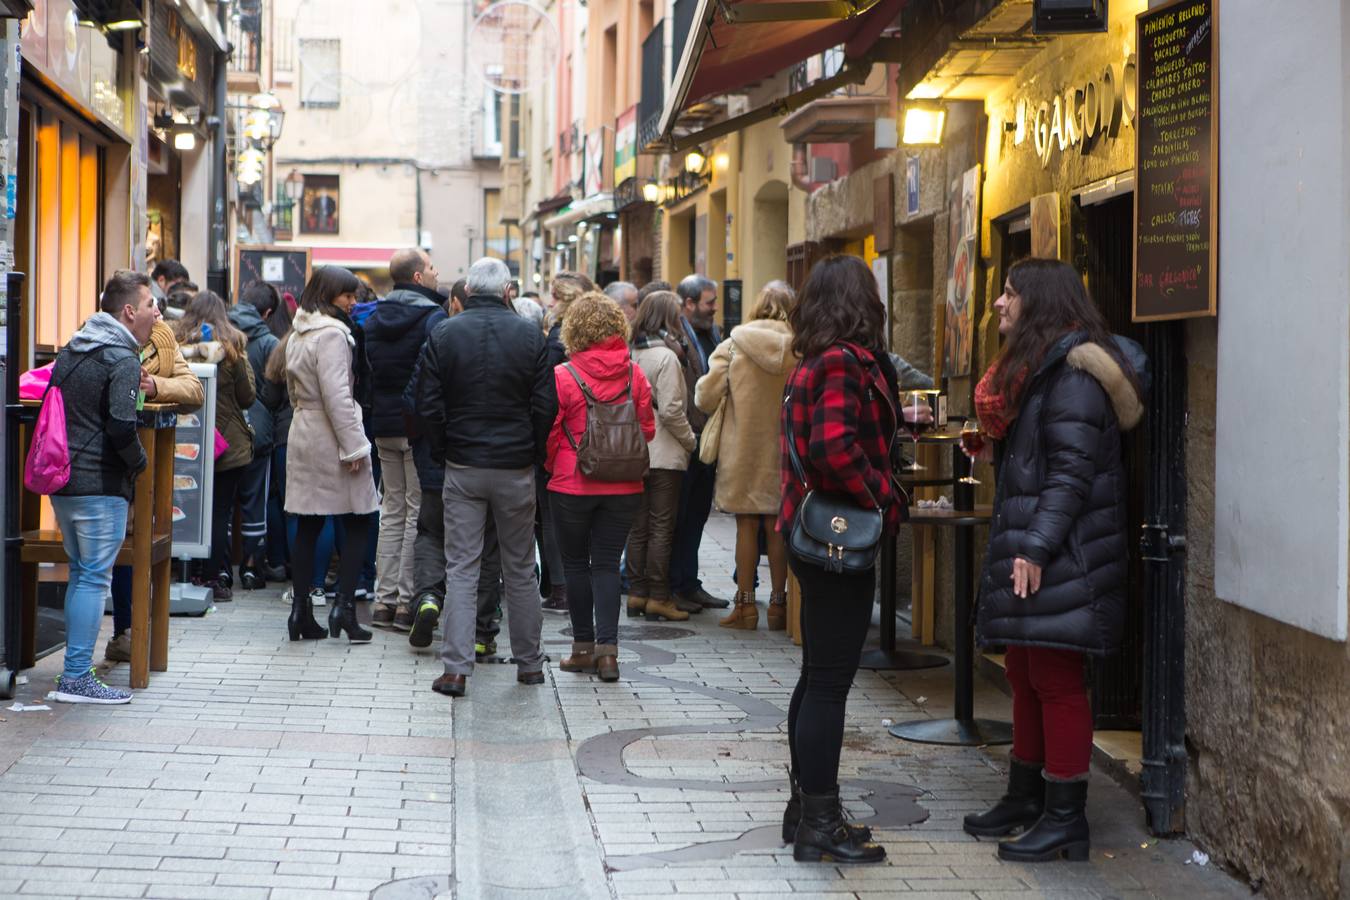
x=1052, y=718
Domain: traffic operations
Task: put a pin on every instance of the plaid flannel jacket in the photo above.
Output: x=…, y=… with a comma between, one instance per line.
x=844, y=424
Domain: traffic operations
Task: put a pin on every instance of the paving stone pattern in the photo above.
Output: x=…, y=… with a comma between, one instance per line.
x=258, y=768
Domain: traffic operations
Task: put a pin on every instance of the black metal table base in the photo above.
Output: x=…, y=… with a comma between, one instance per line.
x=882, y=659
x=954, y=732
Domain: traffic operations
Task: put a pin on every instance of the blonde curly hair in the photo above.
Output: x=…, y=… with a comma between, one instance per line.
x=592, y=318
x=566, y=288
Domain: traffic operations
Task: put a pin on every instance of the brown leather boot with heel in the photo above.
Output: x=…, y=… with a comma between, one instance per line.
x=657, y=610
x=582, y=658
x=744, y=615
x=607, y=661
x=776, y=618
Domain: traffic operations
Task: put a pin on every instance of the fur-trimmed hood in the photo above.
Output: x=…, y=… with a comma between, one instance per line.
x=306, y=321
x=767, y=343
x=1096, y=361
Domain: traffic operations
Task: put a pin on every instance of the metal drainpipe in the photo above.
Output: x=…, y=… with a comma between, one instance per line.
x=218, y=274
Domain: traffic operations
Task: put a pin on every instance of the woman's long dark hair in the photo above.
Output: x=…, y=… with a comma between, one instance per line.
x=1053, y=303
x=838, y=304
x=326, y=285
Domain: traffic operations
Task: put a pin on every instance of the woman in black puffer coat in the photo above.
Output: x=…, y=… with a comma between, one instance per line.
x=1055, y=404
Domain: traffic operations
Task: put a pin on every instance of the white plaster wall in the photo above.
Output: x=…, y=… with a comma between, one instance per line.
x=1281, y=468
x=194, y=250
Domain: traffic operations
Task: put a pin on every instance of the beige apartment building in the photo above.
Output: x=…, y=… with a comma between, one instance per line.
x=390, y=140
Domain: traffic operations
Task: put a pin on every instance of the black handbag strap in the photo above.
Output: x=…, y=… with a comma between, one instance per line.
x=795, y=460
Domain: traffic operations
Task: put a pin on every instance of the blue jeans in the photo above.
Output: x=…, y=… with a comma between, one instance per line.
x=92, y=530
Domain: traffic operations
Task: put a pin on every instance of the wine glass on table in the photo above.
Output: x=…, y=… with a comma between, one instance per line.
x=916, y=417
x=972, y=442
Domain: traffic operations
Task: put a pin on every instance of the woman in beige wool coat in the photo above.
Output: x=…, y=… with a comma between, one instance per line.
x=657, y=351
x=328, y=463
x=750, y=369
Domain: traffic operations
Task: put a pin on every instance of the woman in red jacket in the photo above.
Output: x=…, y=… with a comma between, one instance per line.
x=842, y=418
x=592, y=517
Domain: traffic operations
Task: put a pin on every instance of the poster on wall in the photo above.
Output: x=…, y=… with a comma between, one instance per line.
x=963, y=229
x=319, y=210
x=1045, y=226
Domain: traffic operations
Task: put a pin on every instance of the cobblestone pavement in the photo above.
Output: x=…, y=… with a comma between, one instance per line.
x=258, y=768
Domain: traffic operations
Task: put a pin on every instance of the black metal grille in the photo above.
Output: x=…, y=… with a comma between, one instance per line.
x=653, y=86
x=1103, y=252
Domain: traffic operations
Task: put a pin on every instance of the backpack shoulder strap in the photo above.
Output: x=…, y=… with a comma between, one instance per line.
x=586, y=394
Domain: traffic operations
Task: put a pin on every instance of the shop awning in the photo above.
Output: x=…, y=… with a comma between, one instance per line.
x=353, y=257
x=592, y=206
x=734, y=43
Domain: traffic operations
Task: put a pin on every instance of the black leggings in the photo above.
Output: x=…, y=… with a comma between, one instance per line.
x=592, y=530
x=224, y=493
x=836, y=612
x=351, y=555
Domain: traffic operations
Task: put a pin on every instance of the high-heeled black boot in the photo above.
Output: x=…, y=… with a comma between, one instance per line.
x=342, y=617
x=793, y=814
x=1020, y=806
x=1061, y=831
x=822, y=835
x=301, y=623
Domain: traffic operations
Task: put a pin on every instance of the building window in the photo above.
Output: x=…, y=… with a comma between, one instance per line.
x=320, y=73
x=492, y=123
x=319, y=205
x=497, y=237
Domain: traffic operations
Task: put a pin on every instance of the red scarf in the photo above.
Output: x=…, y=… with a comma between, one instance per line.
x=995, y=415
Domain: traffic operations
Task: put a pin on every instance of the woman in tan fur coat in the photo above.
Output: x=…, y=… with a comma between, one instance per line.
x=749, y=369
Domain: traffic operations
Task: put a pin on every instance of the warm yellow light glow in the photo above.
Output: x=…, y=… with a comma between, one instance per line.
x=264, y=100
x=184, y=140
x=124, y=25
x=923, y=125
x=258, y=125
x=694, y=162
x=249, y=177
x=925, y=90
x=251, y=157
x=722, y=161
x=651, y=192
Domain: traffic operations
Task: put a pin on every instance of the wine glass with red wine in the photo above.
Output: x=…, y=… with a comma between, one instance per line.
x=915, y=402
x=972, y=442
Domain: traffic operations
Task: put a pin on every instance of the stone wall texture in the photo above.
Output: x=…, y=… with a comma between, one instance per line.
x=1267, y=705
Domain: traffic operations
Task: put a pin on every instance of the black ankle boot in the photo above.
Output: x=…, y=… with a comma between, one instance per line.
x=793, y=814
x=822, y=835
x=1020, y=807
x=1061, y=831
x=301, y=623
x=342, y=617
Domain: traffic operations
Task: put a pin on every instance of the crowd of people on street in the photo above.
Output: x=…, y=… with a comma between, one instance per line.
x=459, y=451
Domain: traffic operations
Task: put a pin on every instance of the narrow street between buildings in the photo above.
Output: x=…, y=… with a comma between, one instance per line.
x=261, y=768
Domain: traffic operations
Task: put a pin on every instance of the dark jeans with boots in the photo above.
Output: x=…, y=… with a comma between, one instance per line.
x=592, y=530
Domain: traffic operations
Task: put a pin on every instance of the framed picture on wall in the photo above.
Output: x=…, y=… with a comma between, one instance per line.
x=319, y=206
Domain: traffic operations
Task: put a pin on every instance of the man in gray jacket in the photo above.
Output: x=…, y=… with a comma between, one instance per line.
x=99, y=373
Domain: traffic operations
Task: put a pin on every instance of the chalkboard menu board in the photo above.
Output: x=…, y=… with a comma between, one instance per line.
x=1176, y=163
x=193, y=467
x=287, y=268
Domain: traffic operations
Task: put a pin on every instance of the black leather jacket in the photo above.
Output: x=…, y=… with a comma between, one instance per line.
x=1060, y=503
x=486, y=390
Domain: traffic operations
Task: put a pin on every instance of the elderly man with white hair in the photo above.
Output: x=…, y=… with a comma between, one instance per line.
x=486, y=394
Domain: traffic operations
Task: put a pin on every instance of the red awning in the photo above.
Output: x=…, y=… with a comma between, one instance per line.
x=763, y=38
x=353, y=257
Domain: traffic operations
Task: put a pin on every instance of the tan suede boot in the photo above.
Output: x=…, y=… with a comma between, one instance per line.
x=776, y=620
x=664, y=609
x=636, y=606
x=607, y=661
x=744, y=615
x=581, y=660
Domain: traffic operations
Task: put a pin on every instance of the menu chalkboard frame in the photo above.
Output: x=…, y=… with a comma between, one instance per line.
x=241, y=250
x=1141, y=181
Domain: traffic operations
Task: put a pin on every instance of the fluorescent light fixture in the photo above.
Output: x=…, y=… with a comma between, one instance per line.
x=124, y=25
x=923, y=125
x=571, y=239
x=184, y=140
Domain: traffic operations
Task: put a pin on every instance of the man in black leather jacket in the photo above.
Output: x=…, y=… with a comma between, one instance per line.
x=486, y=394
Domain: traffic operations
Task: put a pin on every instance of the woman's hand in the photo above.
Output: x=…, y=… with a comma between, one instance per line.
x=1026, y=577
x=920, y=414
x=355, y=465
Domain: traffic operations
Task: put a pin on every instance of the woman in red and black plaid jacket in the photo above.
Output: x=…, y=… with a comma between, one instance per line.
x=843, y=420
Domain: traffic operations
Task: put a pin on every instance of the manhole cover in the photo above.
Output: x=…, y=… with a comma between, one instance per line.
x=646, y=632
